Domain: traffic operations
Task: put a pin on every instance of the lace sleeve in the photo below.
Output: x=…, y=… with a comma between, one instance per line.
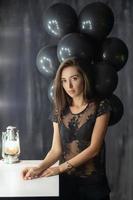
x=53, y=118
x=103, y=107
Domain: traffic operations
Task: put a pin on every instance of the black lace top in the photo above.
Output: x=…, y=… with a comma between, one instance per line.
x=76, y=131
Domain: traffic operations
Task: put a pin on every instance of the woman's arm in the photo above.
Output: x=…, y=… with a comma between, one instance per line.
x=93, y=149
x=55, y=151
x=52, y=156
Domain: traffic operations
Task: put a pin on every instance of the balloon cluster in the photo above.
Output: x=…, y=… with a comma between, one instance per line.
x=85, y=37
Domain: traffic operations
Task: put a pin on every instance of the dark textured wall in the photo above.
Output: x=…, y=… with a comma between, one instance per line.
x=23, y=90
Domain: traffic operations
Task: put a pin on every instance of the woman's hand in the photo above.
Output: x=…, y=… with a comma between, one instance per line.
x=52, y=171
x=34, y=172
x=31, y=172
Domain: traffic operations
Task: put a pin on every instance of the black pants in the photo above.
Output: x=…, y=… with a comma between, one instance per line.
x=72, y=189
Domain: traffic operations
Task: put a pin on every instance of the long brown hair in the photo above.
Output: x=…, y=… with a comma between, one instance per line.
x=61, y=98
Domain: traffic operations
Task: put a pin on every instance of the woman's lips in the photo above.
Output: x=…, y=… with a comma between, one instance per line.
x=71, y=91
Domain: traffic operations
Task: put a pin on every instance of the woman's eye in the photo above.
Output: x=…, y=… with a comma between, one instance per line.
x=63, y=81
x=75, y=78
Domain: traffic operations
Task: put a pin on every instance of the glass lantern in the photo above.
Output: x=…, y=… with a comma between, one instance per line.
x=10, y=145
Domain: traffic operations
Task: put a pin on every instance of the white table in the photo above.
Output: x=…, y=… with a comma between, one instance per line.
x=12, y=184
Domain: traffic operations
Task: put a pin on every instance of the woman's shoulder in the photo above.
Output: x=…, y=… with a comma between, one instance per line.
x=103, y=106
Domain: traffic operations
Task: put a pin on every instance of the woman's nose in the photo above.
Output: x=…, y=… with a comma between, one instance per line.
x=70, y=84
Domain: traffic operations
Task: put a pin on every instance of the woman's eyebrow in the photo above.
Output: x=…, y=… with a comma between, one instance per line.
x=70, y=76
x=75, y=75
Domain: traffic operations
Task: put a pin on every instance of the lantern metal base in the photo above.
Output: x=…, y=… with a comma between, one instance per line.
x=11, y=159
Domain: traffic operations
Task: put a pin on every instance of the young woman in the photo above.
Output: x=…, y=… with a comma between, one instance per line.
x=80, y=124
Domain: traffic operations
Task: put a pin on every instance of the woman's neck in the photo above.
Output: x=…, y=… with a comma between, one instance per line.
x=79, y=102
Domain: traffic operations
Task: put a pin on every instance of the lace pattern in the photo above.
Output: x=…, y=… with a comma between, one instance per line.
x=75, y=121
x=76, y=131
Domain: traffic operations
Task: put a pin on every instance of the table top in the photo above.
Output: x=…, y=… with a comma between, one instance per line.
x=12, y=184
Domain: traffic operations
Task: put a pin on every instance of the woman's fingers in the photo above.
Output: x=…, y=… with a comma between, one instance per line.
x=46, y=173
x=33, y=172
x=24, y=172
x=29, y=173
x=50, y=172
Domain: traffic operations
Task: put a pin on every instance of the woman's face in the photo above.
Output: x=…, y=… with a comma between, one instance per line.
x=72, y=81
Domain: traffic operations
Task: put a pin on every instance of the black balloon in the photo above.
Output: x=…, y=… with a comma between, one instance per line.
x=105, y=79
x=47, y=61
x=51, y=92
x=60, y=19
x=75, y=45
x=97, y=20
x=114, y=51
x=117, y=110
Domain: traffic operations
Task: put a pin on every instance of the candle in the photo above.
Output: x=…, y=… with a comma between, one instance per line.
x=11, y=147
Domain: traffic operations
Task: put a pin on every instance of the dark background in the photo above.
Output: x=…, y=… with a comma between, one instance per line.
x=23, y=90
